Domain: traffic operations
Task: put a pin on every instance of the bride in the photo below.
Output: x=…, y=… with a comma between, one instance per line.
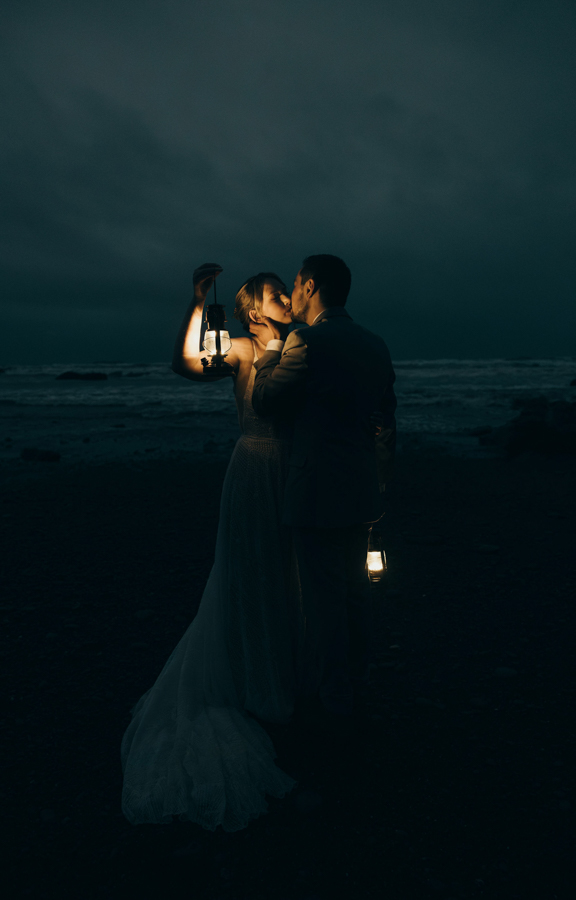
x=192, y=749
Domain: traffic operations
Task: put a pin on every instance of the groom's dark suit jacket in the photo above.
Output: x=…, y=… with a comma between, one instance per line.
x=331, y=377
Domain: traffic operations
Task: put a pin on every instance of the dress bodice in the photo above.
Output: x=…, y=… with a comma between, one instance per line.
x=252, y=425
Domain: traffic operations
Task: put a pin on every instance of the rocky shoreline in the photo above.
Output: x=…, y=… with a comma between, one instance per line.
x=542, y=426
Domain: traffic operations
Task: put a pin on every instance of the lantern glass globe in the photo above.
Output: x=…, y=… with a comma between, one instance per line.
x=374, y=561
x=209, y=342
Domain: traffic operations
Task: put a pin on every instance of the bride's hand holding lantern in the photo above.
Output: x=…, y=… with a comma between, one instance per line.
x=203, y=278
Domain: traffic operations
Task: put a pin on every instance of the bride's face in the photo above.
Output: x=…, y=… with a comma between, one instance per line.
x=276, y=303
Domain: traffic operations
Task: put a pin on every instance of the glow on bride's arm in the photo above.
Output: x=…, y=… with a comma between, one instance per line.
x=192, y=344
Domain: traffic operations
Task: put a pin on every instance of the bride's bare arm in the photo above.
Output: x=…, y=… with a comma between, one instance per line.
x=188, y=351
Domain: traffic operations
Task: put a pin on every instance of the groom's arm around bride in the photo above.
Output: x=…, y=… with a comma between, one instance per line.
x=331, y=378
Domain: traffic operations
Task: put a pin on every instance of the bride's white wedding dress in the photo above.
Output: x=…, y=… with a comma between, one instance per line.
x=191, y=749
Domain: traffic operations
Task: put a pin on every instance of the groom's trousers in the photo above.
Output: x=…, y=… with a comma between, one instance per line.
x=337, y=606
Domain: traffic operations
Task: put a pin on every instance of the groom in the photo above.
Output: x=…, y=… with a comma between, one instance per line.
x=331, y=378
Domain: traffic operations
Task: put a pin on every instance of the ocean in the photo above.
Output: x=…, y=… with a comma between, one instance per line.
x=163, y=414
x=441, y=396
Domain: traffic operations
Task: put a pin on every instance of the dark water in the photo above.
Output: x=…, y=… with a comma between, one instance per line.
x=434, y=396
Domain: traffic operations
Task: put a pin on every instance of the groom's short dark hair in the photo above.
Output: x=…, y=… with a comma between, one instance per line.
x=331, y=276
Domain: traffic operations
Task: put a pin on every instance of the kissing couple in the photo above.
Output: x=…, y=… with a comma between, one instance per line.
x=285, y=618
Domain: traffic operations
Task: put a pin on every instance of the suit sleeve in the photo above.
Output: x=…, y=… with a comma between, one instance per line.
x=280, y=378
x=386, y=440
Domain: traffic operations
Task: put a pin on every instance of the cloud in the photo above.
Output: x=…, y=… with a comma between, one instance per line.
x=433, y=148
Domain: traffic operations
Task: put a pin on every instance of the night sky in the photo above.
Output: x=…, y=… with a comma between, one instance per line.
x=430, y=143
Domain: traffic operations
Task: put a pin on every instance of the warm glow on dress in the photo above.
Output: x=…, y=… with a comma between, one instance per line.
x=209, y=343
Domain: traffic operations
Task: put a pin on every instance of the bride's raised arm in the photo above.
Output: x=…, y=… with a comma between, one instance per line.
x=188, y=350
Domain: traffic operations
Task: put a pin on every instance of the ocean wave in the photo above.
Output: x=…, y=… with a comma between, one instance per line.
x=441, y=396
x=112, y=370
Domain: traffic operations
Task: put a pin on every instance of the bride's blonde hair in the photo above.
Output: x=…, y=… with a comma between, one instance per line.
x=250, y=296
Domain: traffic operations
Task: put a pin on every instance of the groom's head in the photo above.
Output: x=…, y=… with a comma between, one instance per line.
x=324, y=280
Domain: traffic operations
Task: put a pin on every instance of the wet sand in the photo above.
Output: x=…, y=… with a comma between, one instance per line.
x=466, y=787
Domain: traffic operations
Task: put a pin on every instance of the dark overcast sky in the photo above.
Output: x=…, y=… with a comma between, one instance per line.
x=431, y=143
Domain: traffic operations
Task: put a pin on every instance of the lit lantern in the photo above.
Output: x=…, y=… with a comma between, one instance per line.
x=376, y=559
x=216, y=342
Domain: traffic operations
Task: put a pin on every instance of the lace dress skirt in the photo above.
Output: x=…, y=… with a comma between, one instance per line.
x=191, y=749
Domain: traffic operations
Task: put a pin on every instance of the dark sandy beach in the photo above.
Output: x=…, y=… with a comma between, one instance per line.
x=466, y=787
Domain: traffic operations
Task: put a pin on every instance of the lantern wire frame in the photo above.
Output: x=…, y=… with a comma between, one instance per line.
x=216, y=341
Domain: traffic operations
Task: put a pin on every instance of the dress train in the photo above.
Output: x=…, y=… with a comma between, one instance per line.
x=191, y=749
